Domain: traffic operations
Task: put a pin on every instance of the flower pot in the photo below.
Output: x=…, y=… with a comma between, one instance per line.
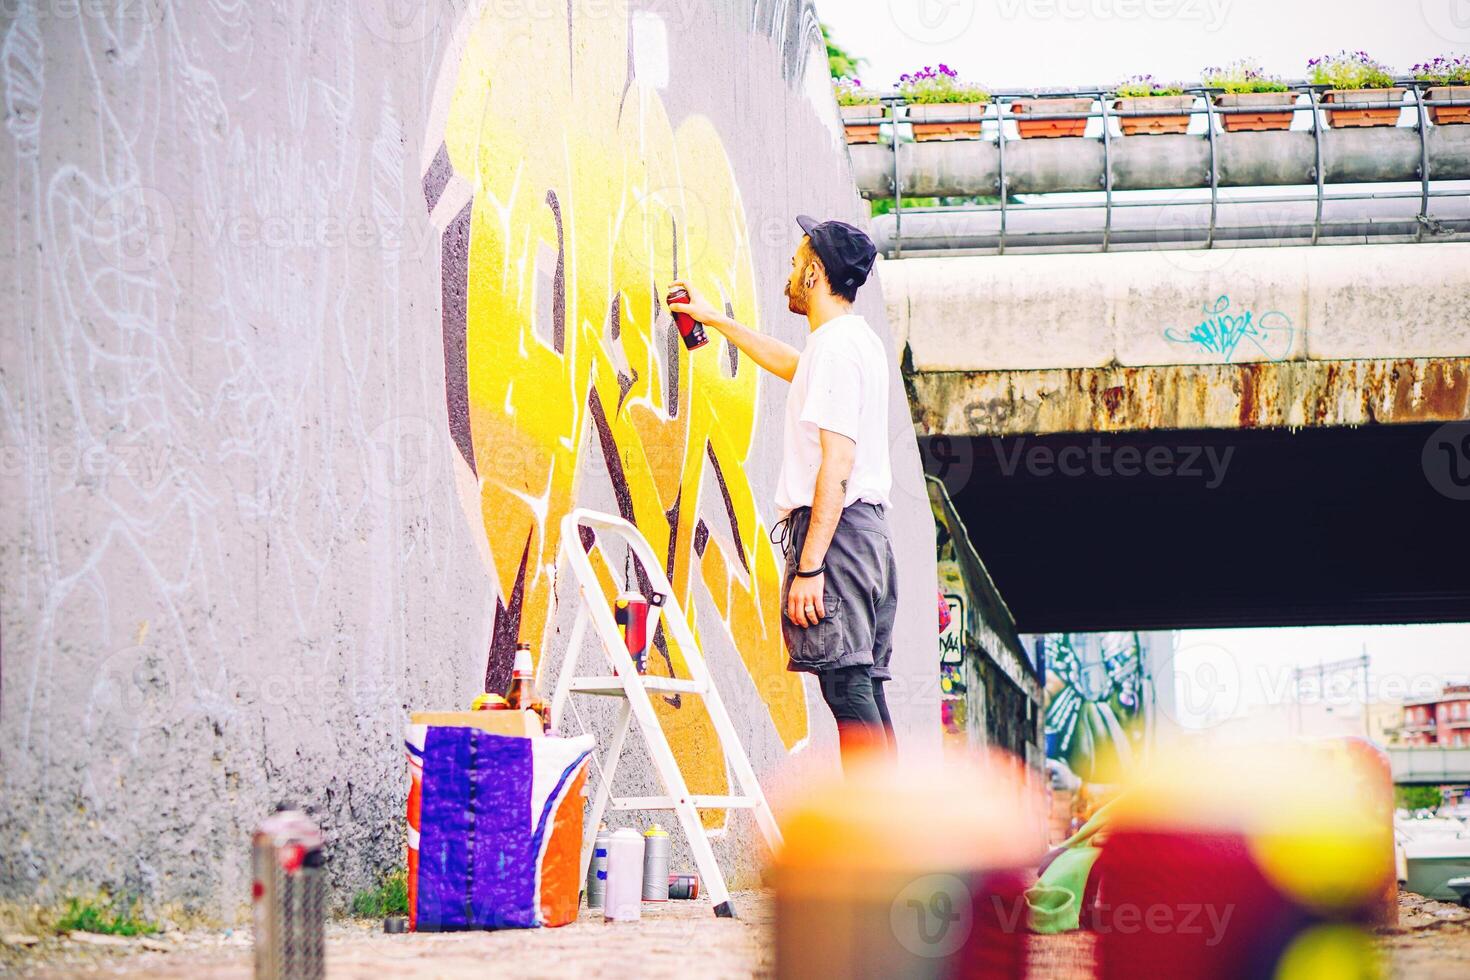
x=964, y=120
x=1388, y=115
x=1449, y=115
x=1166, y=121
x=1048, y=128
x=1255, y=122
x=861, y=122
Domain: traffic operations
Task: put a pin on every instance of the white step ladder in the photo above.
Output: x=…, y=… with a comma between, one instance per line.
x=633, y=688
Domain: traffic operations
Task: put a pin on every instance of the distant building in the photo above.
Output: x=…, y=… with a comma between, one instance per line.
x=1441, y=720
x=1385, y=723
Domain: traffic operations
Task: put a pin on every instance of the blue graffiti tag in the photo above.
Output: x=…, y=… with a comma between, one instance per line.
x=1221, y=332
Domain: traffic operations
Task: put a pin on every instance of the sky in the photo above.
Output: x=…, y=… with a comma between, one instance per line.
x=1015, y=44
x=1224, y=673
x=1011, y=44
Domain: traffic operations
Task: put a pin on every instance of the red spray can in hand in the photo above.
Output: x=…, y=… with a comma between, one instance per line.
x=690, y=329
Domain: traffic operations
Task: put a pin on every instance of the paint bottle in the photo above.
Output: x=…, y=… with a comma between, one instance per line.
x=597, y=868
x=622, y=901
x=690, y=329
x=655, y=864
x=683, y=887
x=289, y=896
x=630, y=611
x=522, y=680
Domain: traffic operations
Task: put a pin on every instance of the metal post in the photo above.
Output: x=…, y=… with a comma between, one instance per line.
x=1214, y=169
x=1423, y=163
x=1000, y=147
x=1319, y=169
x=1102, y=103
x=897, y=186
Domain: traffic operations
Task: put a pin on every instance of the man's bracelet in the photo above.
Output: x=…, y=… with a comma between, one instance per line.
x=813, y=573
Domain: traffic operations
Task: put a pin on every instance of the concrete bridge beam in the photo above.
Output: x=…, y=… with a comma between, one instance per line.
x=1142, y=340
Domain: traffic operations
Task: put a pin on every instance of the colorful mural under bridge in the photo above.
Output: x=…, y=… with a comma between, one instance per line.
x=1100, y=702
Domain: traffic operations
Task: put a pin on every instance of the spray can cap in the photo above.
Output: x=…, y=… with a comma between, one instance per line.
x=655, y=831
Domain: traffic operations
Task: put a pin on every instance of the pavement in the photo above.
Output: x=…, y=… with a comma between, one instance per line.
x=680, y=939
x=676, y=939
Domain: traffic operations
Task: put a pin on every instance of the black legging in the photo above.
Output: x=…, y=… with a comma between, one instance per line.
x=859, y=708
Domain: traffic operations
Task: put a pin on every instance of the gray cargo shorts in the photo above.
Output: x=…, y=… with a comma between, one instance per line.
x=860, y=592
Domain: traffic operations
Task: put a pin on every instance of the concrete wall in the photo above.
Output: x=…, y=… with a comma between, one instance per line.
x=986, y=671
x=1182, y=307
x=1235, y=338
x=322, y=319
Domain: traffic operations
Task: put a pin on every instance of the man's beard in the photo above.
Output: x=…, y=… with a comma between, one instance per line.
x=794, y=303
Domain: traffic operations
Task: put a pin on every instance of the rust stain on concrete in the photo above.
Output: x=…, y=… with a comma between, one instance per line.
x=1441, y=390
x=1209, y=396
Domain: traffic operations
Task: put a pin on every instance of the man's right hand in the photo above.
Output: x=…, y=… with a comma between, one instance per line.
x=698, y=307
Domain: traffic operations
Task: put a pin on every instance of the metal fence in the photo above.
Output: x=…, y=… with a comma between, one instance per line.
x=998, y=164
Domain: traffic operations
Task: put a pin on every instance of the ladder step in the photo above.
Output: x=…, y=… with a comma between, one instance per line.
x=668, y=803
x=613, y=686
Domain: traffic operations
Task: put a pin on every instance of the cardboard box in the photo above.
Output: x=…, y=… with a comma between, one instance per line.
x=501, y=722
x=494, y=821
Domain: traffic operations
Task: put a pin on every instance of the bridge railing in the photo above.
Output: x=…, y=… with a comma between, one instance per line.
x=1429, y=765
x=998, y=164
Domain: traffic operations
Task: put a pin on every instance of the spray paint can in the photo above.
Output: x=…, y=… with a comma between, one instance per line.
x=289, y=897
x=631, y=613
x=683, y=887
x=690, y=329
x=623, y=900
x=597, y=868
x=655, y=864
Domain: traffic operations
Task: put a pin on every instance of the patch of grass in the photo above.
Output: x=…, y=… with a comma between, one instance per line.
x=111, y=917
x=389, y=898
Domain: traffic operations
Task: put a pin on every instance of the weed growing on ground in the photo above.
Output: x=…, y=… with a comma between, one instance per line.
x=111, y=917
x=390, y=897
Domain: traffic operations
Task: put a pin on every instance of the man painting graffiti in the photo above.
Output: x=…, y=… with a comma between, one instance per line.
x=840, y=585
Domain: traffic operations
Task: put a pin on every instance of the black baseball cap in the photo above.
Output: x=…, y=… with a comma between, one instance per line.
x=846, y=252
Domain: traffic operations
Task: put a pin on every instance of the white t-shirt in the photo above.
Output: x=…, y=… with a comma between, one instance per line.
x=841, y=385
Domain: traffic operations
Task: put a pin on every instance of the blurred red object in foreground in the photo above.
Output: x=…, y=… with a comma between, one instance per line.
x=1261, y=861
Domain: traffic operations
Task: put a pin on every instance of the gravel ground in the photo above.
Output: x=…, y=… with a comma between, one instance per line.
x=679, y=939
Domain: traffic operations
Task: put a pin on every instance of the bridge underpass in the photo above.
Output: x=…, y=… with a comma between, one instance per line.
x=1174, y=529
x=1158, y=438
